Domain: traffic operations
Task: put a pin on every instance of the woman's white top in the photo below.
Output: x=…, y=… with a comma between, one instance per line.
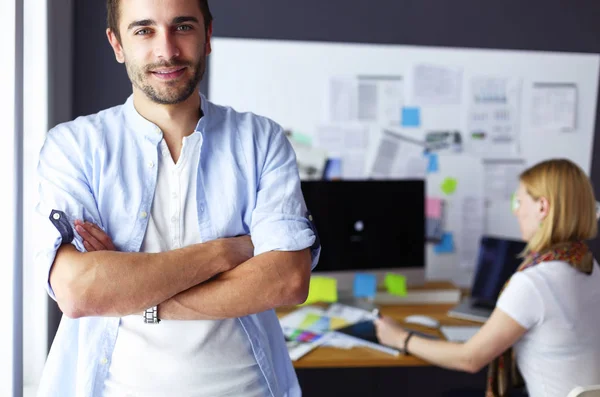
x=560, y=308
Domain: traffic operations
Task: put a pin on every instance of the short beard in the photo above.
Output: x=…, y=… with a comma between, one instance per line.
x=138, y=79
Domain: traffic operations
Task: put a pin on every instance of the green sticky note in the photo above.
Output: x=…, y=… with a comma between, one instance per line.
x=395, y=284
x=322, y=289
x=449, y=185
x=301, y=138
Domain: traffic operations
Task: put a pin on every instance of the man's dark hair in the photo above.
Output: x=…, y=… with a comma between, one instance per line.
x=112, y=10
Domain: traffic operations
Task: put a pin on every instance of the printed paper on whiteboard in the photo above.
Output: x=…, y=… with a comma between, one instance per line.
x=437, y=85
x=398, y=157
x=471, y=229
x=554, y=107
x=380, y=99
x=342, y=101
x=348, y=142
x=502, y=178
x=493, y=118
x=366, y=99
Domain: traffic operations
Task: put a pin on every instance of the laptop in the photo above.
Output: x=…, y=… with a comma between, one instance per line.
x=497, y=261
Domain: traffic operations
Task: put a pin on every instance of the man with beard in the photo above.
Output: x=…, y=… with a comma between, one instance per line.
x=170, y=228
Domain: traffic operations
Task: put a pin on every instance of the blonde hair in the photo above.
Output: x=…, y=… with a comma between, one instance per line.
x=572, y=205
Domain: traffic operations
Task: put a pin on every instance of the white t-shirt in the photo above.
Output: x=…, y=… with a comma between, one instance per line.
x=560, y=307
x=181, y=358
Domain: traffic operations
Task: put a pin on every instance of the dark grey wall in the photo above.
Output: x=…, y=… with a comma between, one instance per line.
x=550, y=25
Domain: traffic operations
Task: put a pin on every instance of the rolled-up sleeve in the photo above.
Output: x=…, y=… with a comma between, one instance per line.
x=64, y=195
x=280, y=220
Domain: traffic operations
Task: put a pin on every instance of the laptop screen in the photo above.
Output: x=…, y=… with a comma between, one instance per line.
x=498, y=260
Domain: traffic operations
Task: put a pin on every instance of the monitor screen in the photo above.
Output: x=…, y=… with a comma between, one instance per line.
x=368, y=224
x=498, y=260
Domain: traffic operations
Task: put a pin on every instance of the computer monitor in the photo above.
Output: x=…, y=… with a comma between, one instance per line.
x=369, y=226
x=498, y=260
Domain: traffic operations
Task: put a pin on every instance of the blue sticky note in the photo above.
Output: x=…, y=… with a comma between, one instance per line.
x=446, y=246
x=411, y=117
x=333, y=169
x=365, y=285
x=433, y=163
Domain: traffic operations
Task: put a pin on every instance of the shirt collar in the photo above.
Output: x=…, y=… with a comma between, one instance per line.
x=150, y=130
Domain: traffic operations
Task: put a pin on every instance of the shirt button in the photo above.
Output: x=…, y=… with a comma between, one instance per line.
x=104, y=361
x=201, y=208
x=151, y=164
x=174, y=219
x=174, y=195
x=143, y=214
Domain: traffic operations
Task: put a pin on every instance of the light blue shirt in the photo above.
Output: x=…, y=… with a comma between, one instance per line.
x=102, y=168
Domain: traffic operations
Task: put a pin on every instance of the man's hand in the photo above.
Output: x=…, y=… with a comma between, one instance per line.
x=94, y=238
x=232, y=251
x=235, y=250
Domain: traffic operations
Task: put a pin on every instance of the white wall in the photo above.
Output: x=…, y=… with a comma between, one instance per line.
x=35, y=317
x=8, y=201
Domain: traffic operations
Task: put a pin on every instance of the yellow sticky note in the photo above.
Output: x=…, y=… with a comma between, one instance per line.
x=322, y=289
x=395, y=284
x=309, y=320
x=449, y=185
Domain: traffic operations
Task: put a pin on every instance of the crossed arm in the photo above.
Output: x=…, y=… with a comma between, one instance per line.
x=213, y=280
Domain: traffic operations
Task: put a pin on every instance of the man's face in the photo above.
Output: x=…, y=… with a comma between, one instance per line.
x=164, y=45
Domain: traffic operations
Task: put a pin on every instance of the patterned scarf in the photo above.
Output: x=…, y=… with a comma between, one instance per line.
x=503, y=374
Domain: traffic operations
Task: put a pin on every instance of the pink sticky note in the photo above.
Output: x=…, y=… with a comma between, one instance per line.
x=433, y=208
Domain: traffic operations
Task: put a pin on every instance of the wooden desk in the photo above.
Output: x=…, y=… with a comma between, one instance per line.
x=328, y=357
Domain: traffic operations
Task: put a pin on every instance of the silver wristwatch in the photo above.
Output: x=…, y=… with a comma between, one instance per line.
x=151, y=315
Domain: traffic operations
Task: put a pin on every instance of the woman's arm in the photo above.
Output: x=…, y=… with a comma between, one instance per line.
x=498, y=334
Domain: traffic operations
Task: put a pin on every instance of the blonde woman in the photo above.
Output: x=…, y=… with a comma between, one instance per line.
x=549, y=310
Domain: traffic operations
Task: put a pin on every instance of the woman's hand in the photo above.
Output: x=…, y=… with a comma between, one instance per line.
x=390, y=333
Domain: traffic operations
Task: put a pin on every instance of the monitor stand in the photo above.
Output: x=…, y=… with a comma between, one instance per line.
x=347, y=298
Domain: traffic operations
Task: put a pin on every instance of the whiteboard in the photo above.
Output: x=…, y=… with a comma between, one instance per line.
x=287, y=81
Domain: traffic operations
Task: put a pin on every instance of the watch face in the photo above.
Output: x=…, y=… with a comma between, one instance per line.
x=151, y=316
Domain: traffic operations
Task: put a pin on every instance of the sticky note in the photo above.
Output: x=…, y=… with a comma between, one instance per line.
x=365, y=285
x=302, y=138
x=333, y=169
x=395, y=284
x=309, y=320
x=411, y=117
x=446, y=246
x=433, y=208
x=449, y=185
x=433, y=165
x=322, y=289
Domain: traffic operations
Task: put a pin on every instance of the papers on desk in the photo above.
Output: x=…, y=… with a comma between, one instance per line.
x=459, y=333
x=311, y=326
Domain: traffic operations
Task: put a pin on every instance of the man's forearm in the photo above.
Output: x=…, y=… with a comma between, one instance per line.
x=264, y=282
x=110, y=283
